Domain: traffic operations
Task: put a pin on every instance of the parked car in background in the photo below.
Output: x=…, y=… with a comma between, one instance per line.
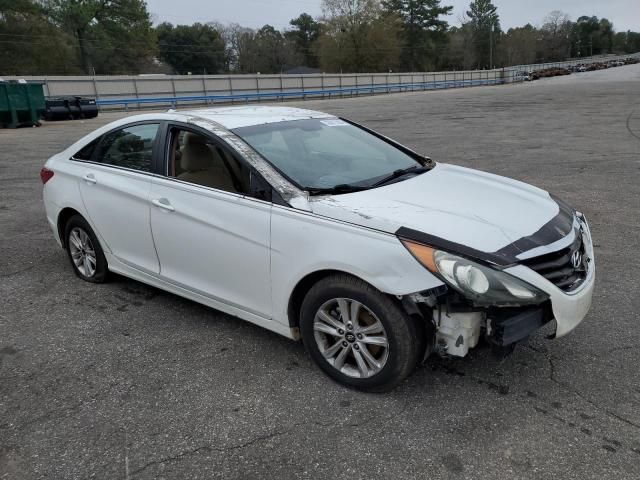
x=318, y=228
x=524, y=76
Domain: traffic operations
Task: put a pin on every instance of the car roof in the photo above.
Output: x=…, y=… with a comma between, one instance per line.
x=247, y=116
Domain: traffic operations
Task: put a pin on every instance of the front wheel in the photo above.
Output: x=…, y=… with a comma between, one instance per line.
x=357, y=335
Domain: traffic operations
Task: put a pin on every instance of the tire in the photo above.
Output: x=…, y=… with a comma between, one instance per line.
x=81, y=242
x=335, y=345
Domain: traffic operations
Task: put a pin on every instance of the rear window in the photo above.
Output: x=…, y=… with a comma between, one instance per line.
x=130, y=147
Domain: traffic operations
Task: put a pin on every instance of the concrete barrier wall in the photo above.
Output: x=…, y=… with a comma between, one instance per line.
x=139, y=91
x=113, y=88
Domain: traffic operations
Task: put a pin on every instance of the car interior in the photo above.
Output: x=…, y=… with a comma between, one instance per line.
x=197, y=159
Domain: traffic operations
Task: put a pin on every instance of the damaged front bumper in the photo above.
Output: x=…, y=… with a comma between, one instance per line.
x=458, y=329
x=569, y=308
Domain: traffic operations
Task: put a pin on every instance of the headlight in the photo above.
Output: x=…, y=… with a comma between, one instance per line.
x=480, y=284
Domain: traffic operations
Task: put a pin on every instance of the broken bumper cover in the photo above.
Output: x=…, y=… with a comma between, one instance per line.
x=568, y=308
x=458, y=325
x=513, y=325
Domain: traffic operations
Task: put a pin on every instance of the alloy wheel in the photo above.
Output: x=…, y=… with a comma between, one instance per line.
x=82, y=252
x=351, y=337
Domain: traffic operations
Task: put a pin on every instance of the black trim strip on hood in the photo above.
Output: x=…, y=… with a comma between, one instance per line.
x=453, y=247
x=555, y=229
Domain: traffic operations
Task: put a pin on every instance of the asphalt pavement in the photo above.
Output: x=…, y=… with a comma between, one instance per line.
x=126, y=381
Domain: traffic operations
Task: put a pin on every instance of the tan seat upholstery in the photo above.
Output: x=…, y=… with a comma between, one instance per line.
x=202, y=165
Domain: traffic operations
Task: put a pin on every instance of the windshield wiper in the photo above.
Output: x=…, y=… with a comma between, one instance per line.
x=341, y=188
x=400, y=173
x=348, y=188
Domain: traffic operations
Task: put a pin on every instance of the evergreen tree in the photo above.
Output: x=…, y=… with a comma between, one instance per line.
x=305, y=33
x=193, y=48
x=112, y=36
x=485, y=25
x=423, y=32
x=30, y=44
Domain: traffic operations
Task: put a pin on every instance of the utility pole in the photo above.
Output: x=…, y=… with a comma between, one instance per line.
x=491, y=46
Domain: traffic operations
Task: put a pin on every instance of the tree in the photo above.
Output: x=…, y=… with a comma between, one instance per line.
x=347, y=21
x=304, y=35
x=223, y=31
x=592, y=36
x=193, y=48
x=459, y=55
x=266, y=50
x=111, y=35
x=518, y=46
x=423, y=32
x=584, y=37
x=606, y=36
x=116, y=36
x=273, y=52
x=556, y=33
x=240, y=48
x=357, y=37
x=30, y=43
x=19, y=7
x=485, y=25
x=626, y=42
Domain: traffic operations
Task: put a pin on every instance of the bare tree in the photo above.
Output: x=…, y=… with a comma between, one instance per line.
x=556, y=31
x=519, y=46
x=351, y=13
x=241, y=48
x=357, y=37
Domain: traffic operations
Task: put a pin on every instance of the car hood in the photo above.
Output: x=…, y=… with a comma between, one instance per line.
x=461, y=206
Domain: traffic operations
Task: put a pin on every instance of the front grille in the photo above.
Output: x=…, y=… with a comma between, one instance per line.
x=558, y=268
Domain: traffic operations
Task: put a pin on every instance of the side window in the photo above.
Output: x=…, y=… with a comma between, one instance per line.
x=201, y=160
x=86, y=152
x=129, y=147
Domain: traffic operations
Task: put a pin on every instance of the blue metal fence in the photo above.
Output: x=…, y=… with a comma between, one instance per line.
x=335, y=91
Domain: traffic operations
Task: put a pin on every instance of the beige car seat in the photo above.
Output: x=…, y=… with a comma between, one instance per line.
x=202, y=165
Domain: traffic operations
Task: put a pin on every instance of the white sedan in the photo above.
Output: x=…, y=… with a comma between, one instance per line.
x=315, y=227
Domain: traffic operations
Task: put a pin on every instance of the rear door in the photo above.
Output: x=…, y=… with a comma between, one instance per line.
x=210, y=220
x=115, y=183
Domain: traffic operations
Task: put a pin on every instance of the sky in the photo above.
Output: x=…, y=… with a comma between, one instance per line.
x=625, y=14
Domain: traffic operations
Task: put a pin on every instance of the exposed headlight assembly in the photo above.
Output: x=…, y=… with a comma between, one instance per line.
x=481, y=284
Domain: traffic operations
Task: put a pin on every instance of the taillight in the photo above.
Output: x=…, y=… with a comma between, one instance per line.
x=46, y=175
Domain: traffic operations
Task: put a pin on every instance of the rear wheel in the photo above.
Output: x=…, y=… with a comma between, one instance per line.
x=84, y=250
x=357, y=335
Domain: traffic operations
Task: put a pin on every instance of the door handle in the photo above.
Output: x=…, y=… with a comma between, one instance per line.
x=90, y=178
x=163, y=203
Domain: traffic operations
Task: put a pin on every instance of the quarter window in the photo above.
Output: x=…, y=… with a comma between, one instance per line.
x=130, y=147
x=86, y=152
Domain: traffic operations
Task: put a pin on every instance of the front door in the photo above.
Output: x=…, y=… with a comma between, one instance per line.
x=211, y=235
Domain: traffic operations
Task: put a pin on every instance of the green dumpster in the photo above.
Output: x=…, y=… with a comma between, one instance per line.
x=21, y=103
